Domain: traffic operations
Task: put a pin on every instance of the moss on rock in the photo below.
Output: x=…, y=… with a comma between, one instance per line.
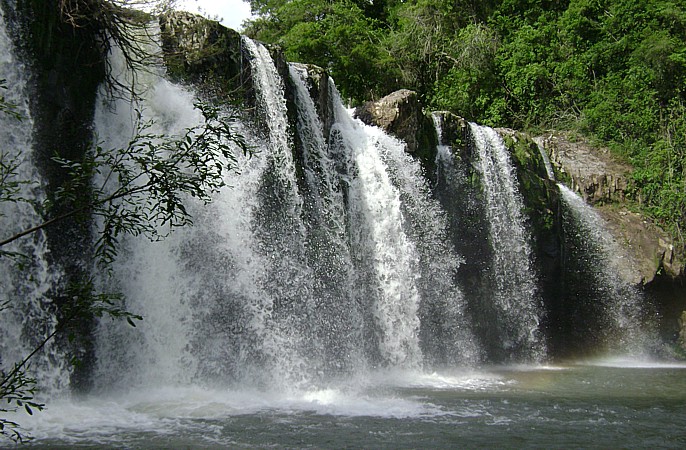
x=203, y=52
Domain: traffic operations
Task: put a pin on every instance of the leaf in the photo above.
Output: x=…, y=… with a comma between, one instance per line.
x=28, y=410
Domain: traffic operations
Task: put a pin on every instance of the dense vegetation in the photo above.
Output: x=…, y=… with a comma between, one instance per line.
x=614, y=70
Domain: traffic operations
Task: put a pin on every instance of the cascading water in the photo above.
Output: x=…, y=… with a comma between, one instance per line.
x=445, y=332
x=333, y=314
x=322, y=289
x=615, y=316
x=27, y=279
x=515, y=301
x=546, y=159
x=385, y=260
x=147, y=274
x=617, y=306
x=285, y=282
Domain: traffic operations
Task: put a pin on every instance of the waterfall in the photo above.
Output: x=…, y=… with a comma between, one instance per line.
x=385, y=259
x=446, y=335
x=148, y=274
x=614, y=316
x=328, y=253
x=329, y=256
x=27, y=280
x=615, y=304
x=515, y=299
x=288, y=280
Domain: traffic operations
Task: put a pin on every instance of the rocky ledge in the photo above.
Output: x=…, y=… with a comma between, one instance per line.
x=400, y=114
x=590, y=171
x=603, y=182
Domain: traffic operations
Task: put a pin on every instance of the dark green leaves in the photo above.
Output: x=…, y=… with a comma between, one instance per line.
x=142, y=190
x=16, y=391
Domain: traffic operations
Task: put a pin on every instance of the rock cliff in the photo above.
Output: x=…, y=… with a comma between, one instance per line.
x=591, y=172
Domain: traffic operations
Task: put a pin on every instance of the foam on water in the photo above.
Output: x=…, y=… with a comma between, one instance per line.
x=174, y=409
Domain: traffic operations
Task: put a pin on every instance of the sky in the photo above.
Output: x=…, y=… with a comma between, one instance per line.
x=230, y=12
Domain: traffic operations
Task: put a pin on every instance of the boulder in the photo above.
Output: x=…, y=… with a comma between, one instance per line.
x=400, y=114
x=650, y=251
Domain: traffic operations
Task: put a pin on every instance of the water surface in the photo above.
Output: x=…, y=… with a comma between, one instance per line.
x=594, y=404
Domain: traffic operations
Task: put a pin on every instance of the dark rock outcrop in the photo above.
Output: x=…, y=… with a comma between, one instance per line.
x=453, y=129
x=203, y=52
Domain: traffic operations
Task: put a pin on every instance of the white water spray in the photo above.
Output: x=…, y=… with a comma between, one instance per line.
x=386, y=259
x=512, y=274
x=621, y=302
x=146, y=273
x=333, y=313
x=26, y=279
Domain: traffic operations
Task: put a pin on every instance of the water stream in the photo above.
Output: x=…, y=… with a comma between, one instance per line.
x=620, y=321
x=515, y=297
x=618, y=305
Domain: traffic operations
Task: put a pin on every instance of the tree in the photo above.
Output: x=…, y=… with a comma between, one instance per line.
x=338, y=36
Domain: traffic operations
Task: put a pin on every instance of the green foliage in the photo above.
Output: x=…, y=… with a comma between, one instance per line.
x=660, y=175
x=337, y=36
x=7, y=107
x=17, y=392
